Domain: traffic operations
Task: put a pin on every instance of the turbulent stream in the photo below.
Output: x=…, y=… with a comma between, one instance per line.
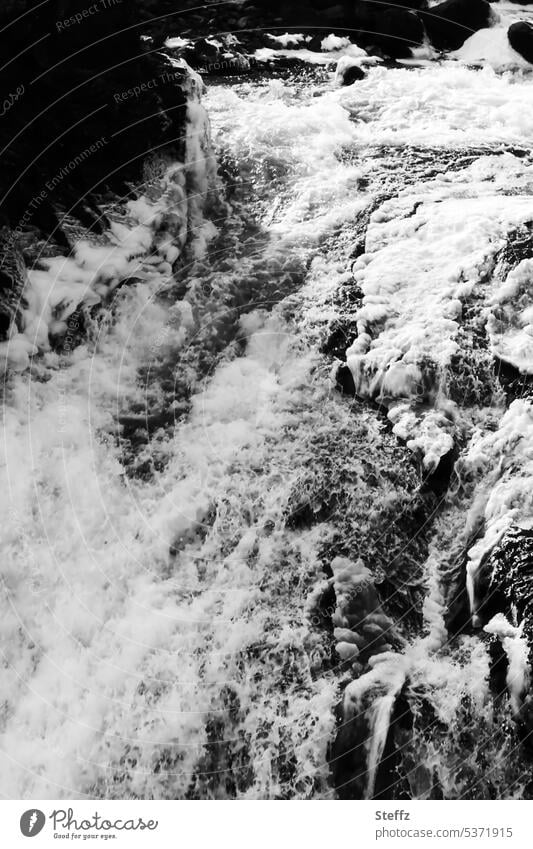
x=250, y=503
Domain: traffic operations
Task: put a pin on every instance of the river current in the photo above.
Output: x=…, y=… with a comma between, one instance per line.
x=194, y=508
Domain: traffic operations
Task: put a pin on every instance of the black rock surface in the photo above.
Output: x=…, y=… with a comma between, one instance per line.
x=451, y=23
x=520, y=37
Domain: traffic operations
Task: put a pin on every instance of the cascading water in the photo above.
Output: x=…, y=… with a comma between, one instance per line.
x=224, y=577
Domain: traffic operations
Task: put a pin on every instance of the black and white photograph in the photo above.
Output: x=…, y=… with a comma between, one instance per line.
x=266, y=346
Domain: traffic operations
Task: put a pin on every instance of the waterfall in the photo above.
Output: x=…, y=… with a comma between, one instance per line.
x=224, y=578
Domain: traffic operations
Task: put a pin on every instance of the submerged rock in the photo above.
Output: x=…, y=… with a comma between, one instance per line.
x=361, y=625
x=520, y=37
x=366, y=636
x=348, y=71
x=449, y=24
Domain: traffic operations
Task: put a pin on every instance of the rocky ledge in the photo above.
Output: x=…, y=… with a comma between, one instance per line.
x=76, y=135
x=235, y=29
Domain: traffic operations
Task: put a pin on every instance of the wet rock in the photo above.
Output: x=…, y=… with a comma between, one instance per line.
x=499, y=667
x=390, y=781
x=502, y=603
x=84, y=106
x=84, y=91
x=213, y=56
x=488, y=598
x=12, y=279
x=361, y=626
x=438, y=481
x=345, y=381
x=347, y=755
x=341, y=335
x=202, y=52
x=391, y=30
x=509, y=570
x=520, y=37
x=458, y=617
x=449, y=24
x=348, y=72
x=374, y=709
x=515, y=384
x=410, y=4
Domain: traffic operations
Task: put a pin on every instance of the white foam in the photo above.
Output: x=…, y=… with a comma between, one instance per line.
x=510, y=324
x=111, y=642
x=335, y=42
x=313, y=57
x=144, y=244
x=289, y=39
x=490, y=47
x=426, y=252
x=177, y=41
x=440, y=105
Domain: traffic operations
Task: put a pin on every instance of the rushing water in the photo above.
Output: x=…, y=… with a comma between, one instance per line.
x=223, y=577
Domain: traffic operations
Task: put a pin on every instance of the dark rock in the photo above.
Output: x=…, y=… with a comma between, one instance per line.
x=505, y=585
x=348, y=72
x=347, y=754
x=390, y=782
x=488, y=594
x=391, y=30
x=345, y=381
x=438, y=481
x=520, y=37
x=449, y=24
x=362, y=630
x=499, y=666
x=515, y=383
x=79, y=92
x=509, y=570
x=410, y=4
x=218, y=57
x=12, y=279
x=83, y=106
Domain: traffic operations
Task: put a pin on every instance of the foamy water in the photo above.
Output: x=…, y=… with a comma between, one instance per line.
x=160, y=628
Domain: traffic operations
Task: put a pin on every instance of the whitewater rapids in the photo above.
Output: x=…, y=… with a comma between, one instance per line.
x=177, y=483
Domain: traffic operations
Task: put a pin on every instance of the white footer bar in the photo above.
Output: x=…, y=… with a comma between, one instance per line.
x=273, y=825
